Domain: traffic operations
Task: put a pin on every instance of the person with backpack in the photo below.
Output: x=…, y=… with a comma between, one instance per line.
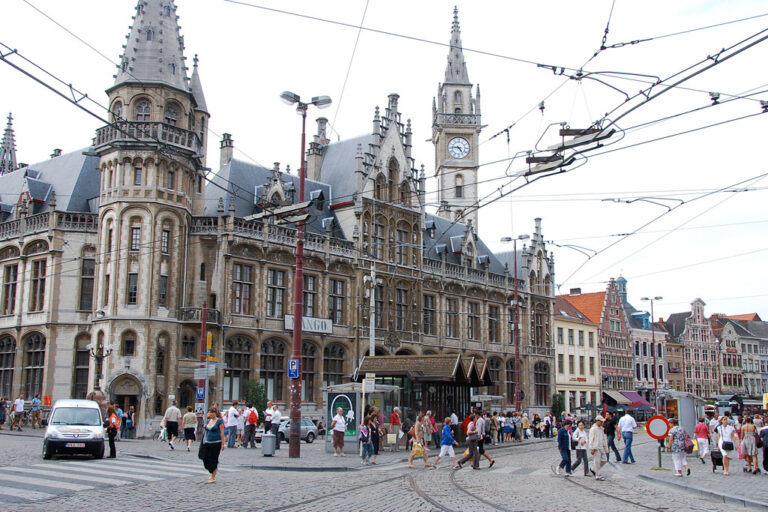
x=251, y=420
x=677, y=447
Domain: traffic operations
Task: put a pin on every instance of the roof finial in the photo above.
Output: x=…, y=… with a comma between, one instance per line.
x=195, y=61
x=8, y=149
x=456, y=70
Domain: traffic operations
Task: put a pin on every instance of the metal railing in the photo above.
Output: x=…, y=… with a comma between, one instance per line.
x=147, y=132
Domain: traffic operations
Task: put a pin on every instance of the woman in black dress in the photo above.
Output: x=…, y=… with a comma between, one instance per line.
x=375, y=426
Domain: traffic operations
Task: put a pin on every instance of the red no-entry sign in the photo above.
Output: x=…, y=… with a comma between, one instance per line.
x=657, y=427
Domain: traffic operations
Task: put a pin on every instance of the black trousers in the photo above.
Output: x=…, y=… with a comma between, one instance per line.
x=111, y=433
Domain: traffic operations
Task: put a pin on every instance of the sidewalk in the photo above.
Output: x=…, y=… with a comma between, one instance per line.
x=739, y=488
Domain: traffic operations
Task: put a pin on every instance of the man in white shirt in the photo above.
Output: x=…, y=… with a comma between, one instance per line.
x=454, y=423
x=232, y=415
x=713, y=423
x=627, y=425
x=171, y=418
x=276, y=419
x=18, y=412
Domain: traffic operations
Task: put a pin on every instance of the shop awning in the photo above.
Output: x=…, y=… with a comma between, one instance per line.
x=617, y=397
x=636, y=399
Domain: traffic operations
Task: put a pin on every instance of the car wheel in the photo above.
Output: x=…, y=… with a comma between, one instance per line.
x=99, y=453
x=310, y=438
x=47, y=451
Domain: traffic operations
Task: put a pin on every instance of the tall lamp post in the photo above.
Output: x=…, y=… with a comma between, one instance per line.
x=294, y=448
x=654, y=349
x=515, y=306
x=98, y=352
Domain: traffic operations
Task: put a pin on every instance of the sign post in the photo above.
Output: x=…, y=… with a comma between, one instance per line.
x=658, y=428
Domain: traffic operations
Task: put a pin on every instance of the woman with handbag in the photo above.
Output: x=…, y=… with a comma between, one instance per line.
x=419, y=448
x=677, y=447
x=727, y=441
x=213, y=443
x=472, y=452
x=580, y=442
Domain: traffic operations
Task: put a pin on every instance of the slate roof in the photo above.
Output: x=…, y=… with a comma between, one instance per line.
x=429, y=368
x=565, y=309
x=590, y=304
x=445, y=232
x=237, y=182
x=675, y=323
x=73, y=176
x=508, y=259
x=157, y=60
x=338, y=166
x=737, y=326
x=196, y=88
x=759, y=329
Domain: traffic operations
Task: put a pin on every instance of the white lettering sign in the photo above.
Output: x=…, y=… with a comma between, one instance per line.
x=311, y=324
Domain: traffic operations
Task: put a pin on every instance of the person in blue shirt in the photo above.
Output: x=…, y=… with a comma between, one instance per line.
x=564, y=445
x=213, y=443
x=35, y=410
x=446, y=444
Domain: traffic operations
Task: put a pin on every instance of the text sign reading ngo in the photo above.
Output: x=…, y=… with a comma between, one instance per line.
x=311, y=324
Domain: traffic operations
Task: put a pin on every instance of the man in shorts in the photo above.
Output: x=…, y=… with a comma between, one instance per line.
x=171, y=419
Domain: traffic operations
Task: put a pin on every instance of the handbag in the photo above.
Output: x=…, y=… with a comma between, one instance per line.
x=201, y=449
x=727, y=445
x=687, y=443
x=472, y=437
x=758, y=442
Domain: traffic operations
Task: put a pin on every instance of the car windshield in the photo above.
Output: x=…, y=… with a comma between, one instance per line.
x=76, y=416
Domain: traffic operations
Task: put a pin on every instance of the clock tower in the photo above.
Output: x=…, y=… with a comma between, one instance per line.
x=455, y=133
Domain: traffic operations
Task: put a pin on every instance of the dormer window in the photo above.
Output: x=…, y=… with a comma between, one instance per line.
x=168, y=10
x=150, y=35
x=172, y=68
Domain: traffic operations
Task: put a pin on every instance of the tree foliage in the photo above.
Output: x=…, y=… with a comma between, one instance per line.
x=558, y=405
x=256, y=395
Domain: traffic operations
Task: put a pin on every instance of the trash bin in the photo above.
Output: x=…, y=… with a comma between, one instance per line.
x=268, y=445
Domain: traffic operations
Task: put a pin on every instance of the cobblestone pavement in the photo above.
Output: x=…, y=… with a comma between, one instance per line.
x=156, y=478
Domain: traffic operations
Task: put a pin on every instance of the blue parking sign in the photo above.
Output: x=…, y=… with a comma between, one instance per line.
x=293, y=368
x=200, y=393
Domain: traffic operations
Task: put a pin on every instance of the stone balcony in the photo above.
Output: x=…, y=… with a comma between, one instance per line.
x=127, y=132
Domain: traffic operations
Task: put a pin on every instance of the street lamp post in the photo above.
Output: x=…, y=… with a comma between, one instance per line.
x=654, y=349
x=98, y=352
x=294, y=448
x=515, y=334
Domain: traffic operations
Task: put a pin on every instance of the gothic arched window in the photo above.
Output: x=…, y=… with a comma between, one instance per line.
x=392, y=178
x=273, y=368
x=7, y=358
x=150, y=35
x=237, y=356
x=494, y=371
x=459, y=186
x=511, y=381
x=143, y=111
x=34, y=364
x=541, y=383
x=171, y=115
x=308, y=358
x=333, y=364
x=379, y=187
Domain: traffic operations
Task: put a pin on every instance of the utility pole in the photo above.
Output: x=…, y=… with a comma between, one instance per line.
x=203, y=383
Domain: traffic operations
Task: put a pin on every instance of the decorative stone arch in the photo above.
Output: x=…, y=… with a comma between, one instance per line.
x=116, y=110
x=380, y=187
x=9, y=252
x=429, y=352
x=378, y=351
x=404, y=352
x=35, y=247
x=131, y=388
x=173, y=112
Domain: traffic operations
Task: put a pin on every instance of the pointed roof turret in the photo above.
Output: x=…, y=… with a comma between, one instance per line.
x=456, y=70
x=197, y=88
x=8, y=149
x=154, y=49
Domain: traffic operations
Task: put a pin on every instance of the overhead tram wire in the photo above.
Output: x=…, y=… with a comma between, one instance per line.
x=349, y=67
x=656, y=218
x=127, y=71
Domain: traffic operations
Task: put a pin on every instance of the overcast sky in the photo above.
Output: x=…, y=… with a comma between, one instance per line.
x=713, y=247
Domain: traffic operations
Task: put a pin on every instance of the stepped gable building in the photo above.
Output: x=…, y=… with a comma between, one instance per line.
x=701, y=353
x=606, y=309
x=120, y=265
x=728, y=334
x=648, y=347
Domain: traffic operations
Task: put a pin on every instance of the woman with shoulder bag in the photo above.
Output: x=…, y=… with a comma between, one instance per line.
x=471, y=444
x=214, y=442
x=418, y=442
x=112, y=425
x=580, y=442
x=727, y=441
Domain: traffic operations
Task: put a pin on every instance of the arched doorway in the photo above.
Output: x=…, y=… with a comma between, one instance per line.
x=187, y=394
x=125, y=391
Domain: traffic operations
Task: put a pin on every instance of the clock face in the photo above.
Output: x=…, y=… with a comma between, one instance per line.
x=458, y=147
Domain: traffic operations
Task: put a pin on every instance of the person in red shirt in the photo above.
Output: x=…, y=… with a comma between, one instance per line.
x=701, y=431
x=394, y=426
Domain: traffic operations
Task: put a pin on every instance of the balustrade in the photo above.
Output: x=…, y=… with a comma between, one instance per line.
x=148, y=131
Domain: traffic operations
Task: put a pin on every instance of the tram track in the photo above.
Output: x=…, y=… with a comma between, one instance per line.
x=333, y=494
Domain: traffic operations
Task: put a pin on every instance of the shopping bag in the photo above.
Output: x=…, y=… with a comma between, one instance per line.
x=418, y=450
x=391, y=438
x=741, y=453
x=466, y=452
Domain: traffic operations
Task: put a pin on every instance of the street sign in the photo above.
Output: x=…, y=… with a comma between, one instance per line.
x=200, y=393
x=370, y=375
x=293, y=368
x=369, y=385
x=657, y=427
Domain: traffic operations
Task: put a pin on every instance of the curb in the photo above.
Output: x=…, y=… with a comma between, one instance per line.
x=724, y=498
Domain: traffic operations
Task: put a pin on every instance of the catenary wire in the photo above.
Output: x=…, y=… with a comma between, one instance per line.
x=349, y=67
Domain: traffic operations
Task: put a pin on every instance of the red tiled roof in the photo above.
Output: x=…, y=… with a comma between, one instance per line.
x=749, y=317
x=565, y=309
x=590, y=304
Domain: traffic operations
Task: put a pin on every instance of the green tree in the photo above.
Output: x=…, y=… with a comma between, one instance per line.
x=558, y=405
x=256, y=395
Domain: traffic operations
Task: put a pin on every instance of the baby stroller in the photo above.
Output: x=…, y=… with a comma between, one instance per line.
x=717, y=459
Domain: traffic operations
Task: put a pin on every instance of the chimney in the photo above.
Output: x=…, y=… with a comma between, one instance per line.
x=322, y=123
x=227, y=148
x=56, y=152
x=575, y=292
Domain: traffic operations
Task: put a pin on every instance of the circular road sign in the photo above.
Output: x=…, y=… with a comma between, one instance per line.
x=657, y=427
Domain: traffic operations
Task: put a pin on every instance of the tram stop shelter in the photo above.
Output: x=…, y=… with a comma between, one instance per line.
x=440, y=383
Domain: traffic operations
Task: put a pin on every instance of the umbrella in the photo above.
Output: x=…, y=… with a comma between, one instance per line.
x=589, y=407
x=642, y=407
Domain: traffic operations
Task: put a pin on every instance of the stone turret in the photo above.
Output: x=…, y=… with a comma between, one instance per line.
x=8, y=149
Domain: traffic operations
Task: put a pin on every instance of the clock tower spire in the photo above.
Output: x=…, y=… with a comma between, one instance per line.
x=455, y=132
